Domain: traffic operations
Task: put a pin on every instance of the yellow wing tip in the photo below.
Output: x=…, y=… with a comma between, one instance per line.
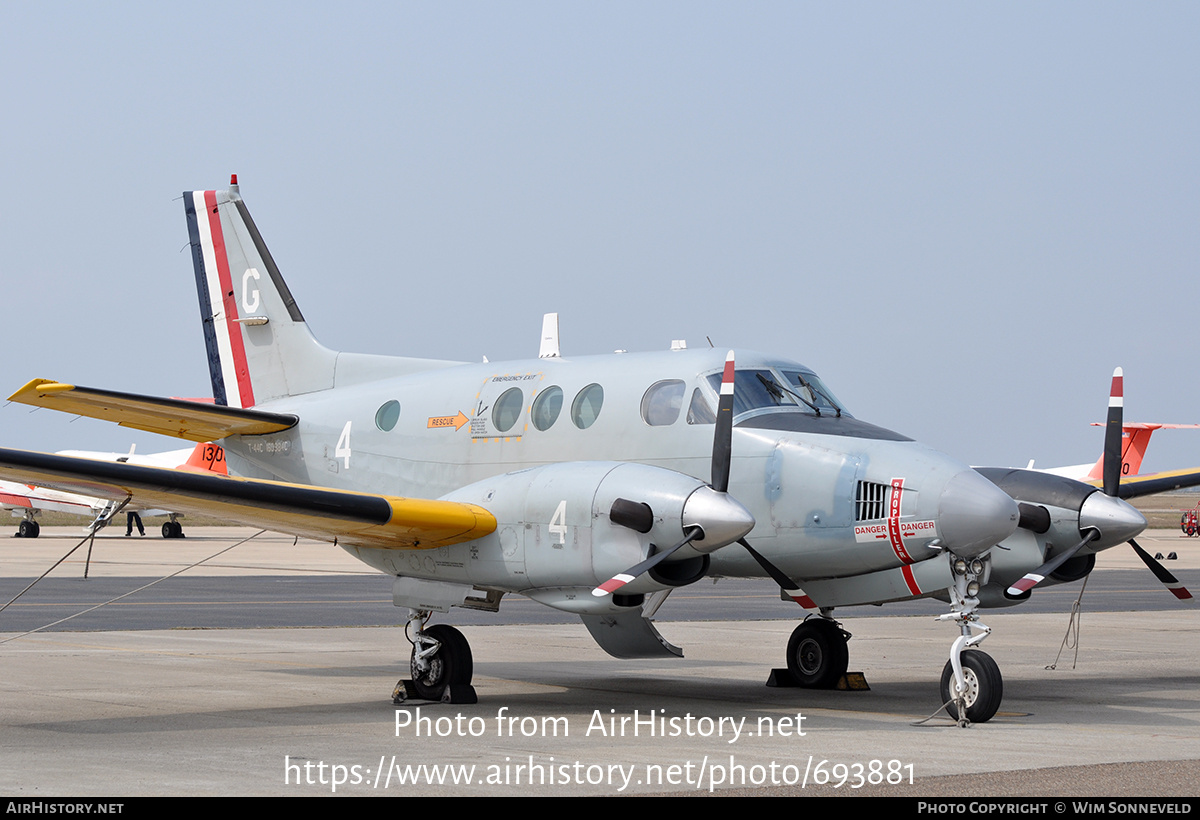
x=39, y=387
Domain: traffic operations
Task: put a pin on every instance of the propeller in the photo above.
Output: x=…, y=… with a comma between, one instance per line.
x=788, y=586
x=1160, y=572
x=710, y=513
x=1031, y=579
x=1102, y=513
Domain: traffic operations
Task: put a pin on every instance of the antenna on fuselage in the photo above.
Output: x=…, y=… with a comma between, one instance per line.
x=549, y=348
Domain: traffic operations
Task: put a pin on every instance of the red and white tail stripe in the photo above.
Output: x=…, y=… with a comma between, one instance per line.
x=222, y=297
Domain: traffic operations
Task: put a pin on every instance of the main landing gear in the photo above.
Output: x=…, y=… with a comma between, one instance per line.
x=441, y=663
x=28, y=528
x=817, y=655
x=172, y=528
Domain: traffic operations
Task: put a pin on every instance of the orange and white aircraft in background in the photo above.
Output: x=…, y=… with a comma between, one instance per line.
x=27, y=500
x=1135, y=438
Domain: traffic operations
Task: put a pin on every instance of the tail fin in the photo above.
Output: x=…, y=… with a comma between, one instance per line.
x=259, y=347
x=206, y=458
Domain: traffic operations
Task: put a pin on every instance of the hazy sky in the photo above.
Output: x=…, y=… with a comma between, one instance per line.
x=963, y=216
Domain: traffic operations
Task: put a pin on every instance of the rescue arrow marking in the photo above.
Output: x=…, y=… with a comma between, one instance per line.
x=456, y=422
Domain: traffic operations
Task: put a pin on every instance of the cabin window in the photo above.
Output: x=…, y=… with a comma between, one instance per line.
x=700, y=411
x=586, y=407
x=546, y=407
x=662, y=403
x=508, y=409
x=387, y=416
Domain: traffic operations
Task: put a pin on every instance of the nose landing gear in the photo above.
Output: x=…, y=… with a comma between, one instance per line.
x=971, y=685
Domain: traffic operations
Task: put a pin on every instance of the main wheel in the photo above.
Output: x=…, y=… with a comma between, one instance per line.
x=817, y=655
x=28, y=529
x=452, y=663
x=985, y=687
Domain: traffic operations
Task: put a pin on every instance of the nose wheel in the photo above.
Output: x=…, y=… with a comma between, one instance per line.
x=817, y=655
x=984, y=688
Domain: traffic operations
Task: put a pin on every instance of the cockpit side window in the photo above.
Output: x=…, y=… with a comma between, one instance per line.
x=700, y=411
x=662, y=402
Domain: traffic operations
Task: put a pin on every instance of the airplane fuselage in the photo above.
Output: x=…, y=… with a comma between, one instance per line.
x=831, y=496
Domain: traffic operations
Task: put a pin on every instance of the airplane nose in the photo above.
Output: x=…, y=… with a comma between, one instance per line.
x=1117, y=520
x=974, y=514
x=721, y=516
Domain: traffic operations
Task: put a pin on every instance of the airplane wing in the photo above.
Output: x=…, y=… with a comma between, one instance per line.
x=362, y=519
x=169, y=417
x=14, y=496
x=1136, y=486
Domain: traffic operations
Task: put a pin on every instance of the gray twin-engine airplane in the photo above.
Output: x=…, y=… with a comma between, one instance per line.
x=594, y=484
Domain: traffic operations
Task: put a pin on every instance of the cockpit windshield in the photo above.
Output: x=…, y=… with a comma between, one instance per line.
x=808, y=386
x=757, y=388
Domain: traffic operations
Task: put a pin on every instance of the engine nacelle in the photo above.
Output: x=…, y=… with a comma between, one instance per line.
x=556, y=531
x=1055, y=514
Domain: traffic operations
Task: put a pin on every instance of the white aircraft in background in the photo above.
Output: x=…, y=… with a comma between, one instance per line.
x=27, y=500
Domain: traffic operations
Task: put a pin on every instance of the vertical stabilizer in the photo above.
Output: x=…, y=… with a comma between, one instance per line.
x=259, y=347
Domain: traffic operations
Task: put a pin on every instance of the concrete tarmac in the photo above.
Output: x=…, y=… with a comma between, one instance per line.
x=308, y=711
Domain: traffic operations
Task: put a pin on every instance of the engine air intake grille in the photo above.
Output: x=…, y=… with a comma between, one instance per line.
x=870, y=501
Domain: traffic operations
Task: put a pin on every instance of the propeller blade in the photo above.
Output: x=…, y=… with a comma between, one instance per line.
x=1160, y=572
x=1112, y=434
x=622, y=578
x=1032, y=579
x=788, y=586
x=723, y=436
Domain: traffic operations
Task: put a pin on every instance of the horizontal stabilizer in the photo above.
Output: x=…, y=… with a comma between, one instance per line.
x=179, y=418
x=359, y=519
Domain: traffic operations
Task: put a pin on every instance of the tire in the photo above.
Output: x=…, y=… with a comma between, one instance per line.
x=167, y=532
x=985, y=687
x=451, y=664
x=817, y=656
x=28, y=529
